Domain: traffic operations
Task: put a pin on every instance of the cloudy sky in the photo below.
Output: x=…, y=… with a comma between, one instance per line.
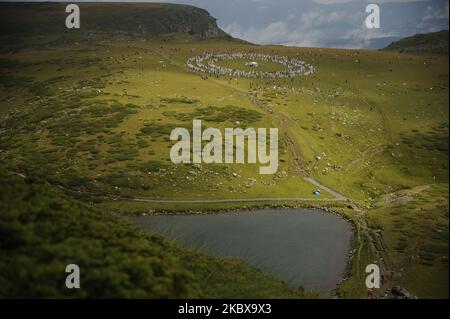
x=323, y=23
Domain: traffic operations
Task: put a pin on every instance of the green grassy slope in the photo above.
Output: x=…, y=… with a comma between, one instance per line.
x=92, y=119
x=435, y=42
x=43, y=230
x=100, y=124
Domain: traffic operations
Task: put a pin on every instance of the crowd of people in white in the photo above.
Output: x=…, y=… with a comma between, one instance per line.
x=207, y=63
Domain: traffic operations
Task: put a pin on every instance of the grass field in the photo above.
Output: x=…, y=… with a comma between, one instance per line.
x=93, y=121
x=263, y=66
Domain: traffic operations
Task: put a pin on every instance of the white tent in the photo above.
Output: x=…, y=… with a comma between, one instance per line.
x=252, y=64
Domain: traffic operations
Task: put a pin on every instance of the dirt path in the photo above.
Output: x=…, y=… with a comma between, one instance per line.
x=402, y=196
x=337, y=195
x=236, y=200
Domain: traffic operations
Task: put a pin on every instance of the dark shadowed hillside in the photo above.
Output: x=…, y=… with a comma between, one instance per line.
x=147, y=19
x=436, y=42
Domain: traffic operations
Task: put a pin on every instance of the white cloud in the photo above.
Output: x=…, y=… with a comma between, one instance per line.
x=343, y=25
x=311, y=28
x=432, y=13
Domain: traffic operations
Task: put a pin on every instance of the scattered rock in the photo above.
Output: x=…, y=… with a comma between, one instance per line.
x=398, y=292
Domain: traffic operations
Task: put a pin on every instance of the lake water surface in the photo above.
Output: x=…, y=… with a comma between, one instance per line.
x=305, y=247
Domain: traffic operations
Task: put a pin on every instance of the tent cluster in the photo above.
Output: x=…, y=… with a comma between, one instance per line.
x=206, y=63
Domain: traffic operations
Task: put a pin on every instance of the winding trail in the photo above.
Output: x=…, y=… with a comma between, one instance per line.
x=337, y=197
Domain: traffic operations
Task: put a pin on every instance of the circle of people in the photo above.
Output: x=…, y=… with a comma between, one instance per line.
x=293, y=67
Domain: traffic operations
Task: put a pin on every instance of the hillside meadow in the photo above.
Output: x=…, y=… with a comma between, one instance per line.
x=85, y=126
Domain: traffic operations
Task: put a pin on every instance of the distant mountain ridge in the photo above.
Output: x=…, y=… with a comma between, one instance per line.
x=144, y=19
x=435, y=42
